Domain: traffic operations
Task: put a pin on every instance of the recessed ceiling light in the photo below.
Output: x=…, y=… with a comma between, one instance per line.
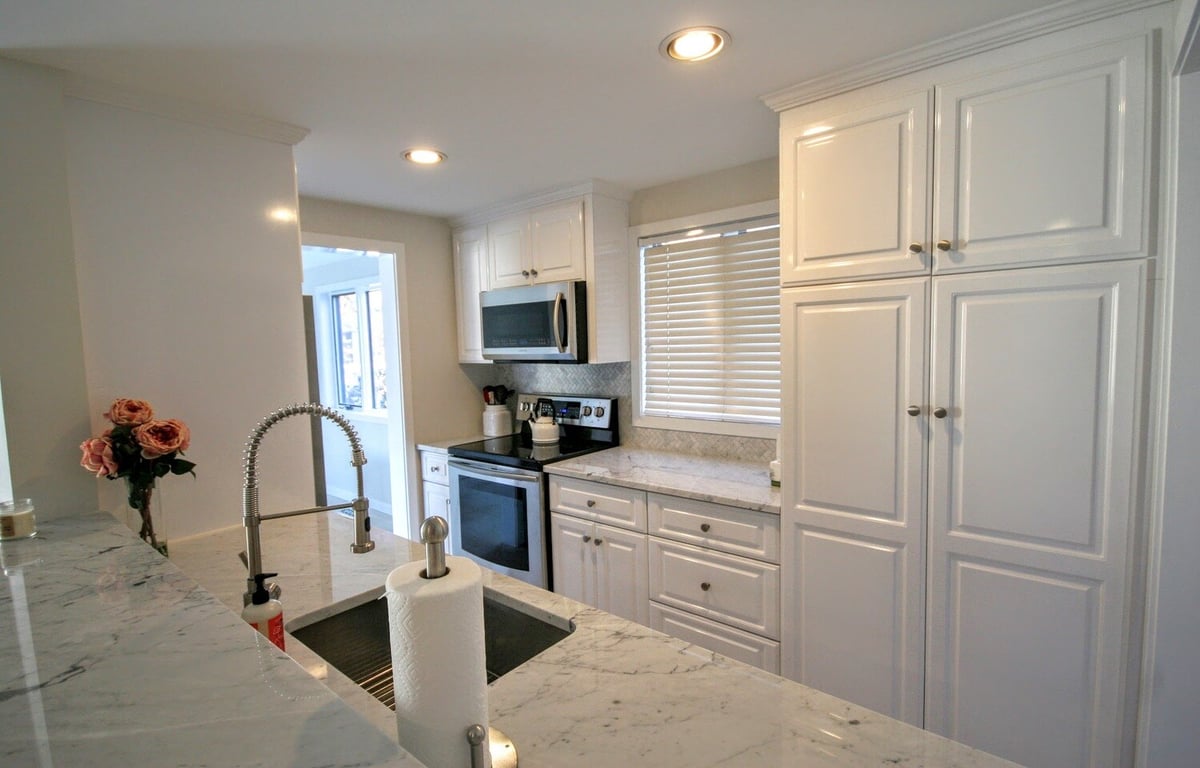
x=694, y=43
x=424, y=156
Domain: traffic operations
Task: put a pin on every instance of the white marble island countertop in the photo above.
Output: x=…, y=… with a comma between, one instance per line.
x=613, y=693
x=719, y=480
x=110, y=656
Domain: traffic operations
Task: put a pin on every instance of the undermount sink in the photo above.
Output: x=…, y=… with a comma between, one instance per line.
x=357, y=643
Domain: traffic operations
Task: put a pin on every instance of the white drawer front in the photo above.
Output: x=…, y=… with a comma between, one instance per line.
x=611, y=504
x=729, y=589
x=727, y=641
x=729, y=529
x=433, y=468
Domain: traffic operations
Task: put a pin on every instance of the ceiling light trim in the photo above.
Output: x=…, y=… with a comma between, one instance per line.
x=428, y=156
x=667, y=46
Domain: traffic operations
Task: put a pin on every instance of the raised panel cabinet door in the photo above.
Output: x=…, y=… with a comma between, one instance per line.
x=1031, y=514
x=470, y=276
x=573, y=562
x=1044, y=163
x=621, y=572
x=855, y=425
x=508, y=252
x=437, y=500
x=854, y=192
x=556, y=235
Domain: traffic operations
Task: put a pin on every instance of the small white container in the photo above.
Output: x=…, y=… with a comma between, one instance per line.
x=17, y=520
x=543, y=432
x=497, y=421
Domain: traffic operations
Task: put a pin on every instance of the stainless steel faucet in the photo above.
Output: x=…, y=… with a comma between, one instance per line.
x=250, y=515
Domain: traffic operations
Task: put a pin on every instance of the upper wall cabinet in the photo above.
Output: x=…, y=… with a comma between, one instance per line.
x=1038, y=164
x=544, y=245
x=576, y=233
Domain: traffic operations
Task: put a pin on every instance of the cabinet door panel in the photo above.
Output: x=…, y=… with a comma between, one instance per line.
x=1031, y=513
x=437, y=500
x=508, y=252
x=734, y=643
x=573, y=559
x=470, y=277
x=732, y=590
x=854, y=191
x=621, y=573
x=556, y=242
x=853, y=486
x=1044, y=163
x=852, y=639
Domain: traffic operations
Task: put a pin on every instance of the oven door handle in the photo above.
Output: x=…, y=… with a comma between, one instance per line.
x=476, y=468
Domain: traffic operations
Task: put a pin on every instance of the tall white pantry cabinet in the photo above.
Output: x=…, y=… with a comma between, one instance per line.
x=965, y=258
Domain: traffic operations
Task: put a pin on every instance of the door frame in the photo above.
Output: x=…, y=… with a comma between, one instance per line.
x=394, y=282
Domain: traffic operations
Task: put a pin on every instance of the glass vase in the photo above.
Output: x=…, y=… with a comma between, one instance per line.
x=147, y=505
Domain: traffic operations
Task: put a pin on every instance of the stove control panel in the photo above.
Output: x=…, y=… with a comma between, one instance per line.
x=573, y=410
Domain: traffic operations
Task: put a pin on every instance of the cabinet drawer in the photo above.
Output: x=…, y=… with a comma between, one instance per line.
x=433, y=468
x=728, y=529
x=727, y=641
x=729, y=589
x=611, y=504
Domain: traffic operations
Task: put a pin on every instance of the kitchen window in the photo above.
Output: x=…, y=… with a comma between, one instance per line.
x=359, y=348
x=708, y=326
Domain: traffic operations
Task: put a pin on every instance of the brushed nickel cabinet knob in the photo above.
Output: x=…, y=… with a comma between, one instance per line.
x=705, y=527
x=943, y=245
x=704, y=585
x=939, y=412
x=916, y=247
x=913, y=410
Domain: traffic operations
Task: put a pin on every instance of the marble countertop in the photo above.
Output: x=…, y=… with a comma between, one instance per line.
x=613, y=693
x=111, y=656
x=722, y=481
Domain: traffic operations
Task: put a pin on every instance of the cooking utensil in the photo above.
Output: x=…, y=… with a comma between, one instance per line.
x=489, y=395
x=501, y=393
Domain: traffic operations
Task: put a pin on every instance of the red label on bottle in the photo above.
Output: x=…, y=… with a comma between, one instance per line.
x=273, y=631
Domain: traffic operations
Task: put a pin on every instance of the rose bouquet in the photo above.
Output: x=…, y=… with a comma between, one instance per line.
x=140, y=449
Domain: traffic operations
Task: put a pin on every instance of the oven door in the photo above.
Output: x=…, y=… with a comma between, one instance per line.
x=496, y=519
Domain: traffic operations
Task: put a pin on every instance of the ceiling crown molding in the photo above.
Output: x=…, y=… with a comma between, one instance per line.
x=1024, y=26
x=89, y=89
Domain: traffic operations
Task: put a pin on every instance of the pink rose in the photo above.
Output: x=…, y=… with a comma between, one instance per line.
x=98, y=456
x=127, y=413
x=160, y=437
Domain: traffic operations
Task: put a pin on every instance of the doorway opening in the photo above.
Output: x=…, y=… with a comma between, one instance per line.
x=356, y=331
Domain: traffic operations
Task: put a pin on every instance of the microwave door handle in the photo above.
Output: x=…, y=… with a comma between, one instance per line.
x=559, y=311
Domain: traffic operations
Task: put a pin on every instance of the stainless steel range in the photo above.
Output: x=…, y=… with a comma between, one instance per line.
x=498, y=504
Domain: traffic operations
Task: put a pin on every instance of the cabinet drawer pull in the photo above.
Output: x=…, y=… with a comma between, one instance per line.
x=705, y=586
x=586, y=538
x=705, y=527
x=916, y=248
x=599, y=542
x=591, y=502
x=533, y=272
x=943, y=245
x=524, y=273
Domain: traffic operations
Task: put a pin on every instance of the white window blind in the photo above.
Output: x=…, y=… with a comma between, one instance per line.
x=710, y=324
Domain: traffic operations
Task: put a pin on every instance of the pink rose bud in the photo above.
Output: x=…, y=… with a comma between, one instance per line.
x=126, y=412
x=160, y=437
x=98, y=456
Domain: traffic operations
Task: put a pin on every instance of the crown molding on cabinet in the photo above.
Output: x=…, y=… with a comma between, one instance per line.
x=517, y=205
x=988, y=37
x=90, y=89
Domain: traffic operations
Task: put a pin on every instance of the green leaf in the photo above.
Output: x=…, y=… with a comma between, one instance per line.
x=182, y=467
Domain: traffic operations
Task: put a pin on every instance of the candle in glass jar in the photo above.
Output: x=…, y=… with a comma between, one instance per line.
x=17, y=520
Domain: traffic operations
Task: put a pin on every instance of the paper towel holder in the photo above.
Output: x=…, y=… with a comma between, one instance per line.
x=433, y=535
x=504, y=752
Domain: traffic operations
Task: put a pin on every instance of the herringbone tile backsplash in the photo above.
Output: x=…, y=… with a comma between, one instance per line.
x=613, y=380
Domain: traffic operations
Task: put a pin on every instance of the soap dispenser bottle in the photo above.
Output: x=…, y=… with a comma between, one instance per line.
x=264, y=613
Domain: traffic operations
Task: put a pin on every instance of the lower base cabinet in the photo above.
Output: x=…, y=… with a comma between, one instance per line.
x=600, y=565
x=743, y=646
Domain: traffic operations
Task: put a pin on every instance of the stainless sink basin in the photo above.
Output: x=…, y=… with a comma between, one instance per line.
x=357, y=643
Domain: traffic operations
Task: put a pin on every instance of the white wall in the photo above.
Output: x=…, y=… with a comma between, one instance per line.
x=189, y=295
x=446, y=402
x=741, y=185
x=41, y=347
x=1174, y=707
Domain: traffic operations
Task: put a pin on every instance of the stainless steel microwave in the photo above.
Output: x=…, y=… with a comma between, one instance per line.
x=546, y=322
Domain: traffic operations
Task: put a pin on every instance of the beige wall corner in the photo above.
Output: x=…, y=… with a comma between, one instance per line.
x=743, y=184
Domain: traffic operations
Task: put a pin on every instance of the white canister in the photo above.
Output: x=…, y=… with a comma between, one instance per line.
x=497, y=421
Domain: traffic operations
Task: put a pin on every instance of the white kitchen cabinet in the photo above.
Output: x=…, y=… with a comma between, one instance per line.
x=600, y=565
x=854, y=358
x=985, y=523
x=746, y=647
x=435, y=483
x=544, y=245
x=574, y=233
x=470, y=276
x=1038, y=164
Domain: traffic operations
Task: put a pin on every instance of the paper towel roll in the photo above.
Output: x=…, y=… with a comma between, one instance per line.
x=438, y=663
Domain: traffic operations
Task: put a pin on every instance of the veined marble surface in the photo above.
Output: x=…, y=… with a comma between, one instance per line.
x=110, y=656
x=722, y=481
x=613, y=693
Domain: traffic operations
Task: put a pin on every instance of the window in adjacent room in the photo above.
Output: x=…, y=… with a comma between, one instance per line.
x=708, y=330
x=359, y=347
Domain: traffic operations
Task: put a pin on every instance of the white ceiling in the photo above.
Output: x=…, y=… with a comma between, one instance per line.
x=523, y=95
